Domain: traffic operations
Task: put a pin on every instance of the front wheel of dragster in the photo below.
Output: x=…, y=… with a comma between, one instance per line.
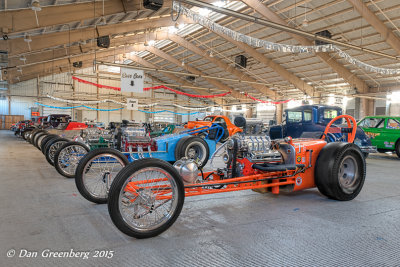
x=96, y=172
x=340, y=171
x=146, y=198
x=67, y=157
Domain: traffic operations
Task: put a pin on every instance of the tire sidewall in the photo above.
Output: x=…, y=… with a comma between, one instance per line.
x=194, y=140
x=57, y=154
x=81, y=168
x=46, y=140
x=119, y=181
x=36, y=137
x=327, y=169
x=50, y=144
x=398, y=148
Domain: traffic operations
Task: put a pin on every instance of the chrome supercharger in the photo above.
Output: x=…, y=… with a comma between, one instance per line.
x=188, y=170
x=256, y=148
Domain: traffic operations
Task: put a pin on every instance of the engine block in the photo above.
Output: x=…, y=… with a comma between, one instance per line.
x=256, y=148
x=135, y=134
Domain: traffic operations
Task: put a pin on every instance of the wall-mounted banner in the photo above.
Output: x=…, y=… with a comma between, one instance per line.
x=132, y=104
x=132, y=80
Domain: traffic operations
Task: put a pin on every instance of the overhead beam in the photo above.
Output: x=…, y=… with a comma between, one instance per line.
x=228, y=68
x=234, y=93
x=75, y=50
x=40, y=42
x=386, y=33
x=24, y=20
x=64, y=63
x=285, y=74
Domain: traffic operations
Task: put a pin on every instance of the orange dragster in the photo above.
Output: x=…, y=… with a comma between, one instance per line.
x=225, y=122
x=147, y=196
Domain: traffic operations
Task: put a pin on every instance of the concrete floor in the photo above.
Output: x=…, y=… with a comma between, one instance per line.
x=42, y=210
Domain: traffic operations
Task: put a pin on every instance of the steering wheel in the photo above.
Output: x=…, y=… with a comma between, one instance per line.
x=351, y=124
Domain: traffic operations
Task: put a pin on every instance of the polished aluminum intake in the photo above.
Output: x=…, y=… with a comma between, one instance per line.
x=188, y=170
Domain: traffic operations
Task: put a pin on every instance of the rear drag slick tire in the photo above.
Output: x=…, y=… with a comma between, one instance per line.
x=340, y=171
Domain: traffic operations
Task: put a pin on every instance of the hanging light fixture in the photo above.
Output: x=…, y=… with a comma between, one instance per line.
x=35, y=5
x=305, y=21
x=27, y=38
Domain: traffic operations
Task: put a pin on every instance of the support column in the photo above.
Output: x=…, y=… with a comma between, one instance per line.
x=132, y=110
x=366, y=108
x=279, y=113
x=175, y=109
x=249, y=112
x=371, y=107
x=74, y=115
x=9, y=105
x=317, y=98
x=98, y=105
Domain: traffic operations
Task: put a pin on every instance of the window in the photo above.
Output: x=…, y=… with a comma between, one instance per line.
x=219, y=120
x=330, y=113
x=208, y=118
x=393, y=124
x=294, y=116
x=307, y=115
x=372, y=123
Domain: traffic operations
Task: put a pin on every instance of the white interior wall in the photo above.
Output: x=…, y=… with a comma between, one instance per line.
x=25, y=94
x=394, y=109
x=4, y=106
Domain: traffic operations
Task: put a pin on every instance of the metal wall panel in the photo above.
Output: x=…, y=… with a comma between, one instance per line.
x=48, y=111
x=21, y=106
x=4, y=107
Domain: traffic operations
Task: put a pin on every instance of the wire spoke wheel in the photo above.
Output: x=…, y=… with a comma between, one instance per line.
x=99, y=173
x=53, y=148
x=69, y=158
x=148, y=199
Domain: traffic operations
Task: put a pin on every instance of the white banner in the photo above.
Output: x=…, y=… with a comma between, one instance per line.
x=132, y=80
x=132, y=104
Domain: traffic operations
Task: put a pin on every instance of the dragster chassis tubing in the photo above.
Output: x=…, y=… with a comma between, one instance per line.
x=235, y=184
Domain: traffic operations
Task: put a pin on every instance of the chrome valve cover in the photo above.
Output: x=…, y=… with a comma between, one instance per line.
x=136, y=134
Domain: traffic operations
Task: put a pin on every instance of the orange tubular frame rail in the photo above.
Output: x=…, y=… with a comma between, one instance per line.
x=271, y=180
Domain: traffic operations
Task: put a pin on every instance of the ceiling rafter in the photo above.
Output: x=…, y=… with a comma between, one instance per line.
x=24, y=20
x=190, y=69
x=226, y=67
x=40, y=42
x=379, y=26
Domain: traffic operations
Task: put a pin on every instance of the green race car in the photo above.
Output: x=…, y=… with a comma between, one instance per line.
x=384, y=132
